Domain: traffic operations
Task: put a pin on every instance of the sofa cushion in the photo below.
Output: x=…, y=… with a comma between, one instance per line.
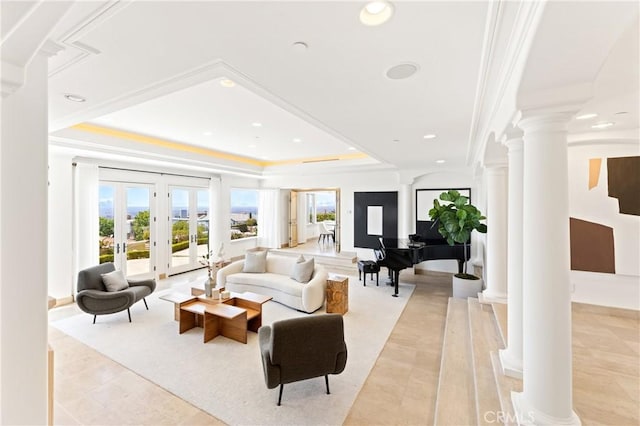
x=115, y=281
x=255, y=262
x=302, y=271
x=278, y=282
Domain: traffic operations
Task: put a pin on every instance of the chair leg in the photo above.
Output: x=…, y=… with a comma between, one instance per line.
x=94, y=319
x=145, y=303
x=326, y=381
x=129, y=313
x=280, y=396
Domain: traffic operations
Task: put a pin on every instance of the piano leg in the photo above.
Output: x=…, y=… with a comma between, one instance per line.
x=396, y=280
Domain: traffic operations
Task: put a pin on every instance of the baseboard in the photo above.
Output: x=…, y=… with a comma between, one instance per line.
x=606, y=310
x=64, y=301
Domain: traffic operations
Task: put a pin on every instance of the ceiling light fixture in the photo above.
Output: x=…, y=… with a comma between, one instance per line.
x=602, y=125
x=402, y=71
x=429, y=136
x=74, y=98
x=439, y=161
x=351, y=148
x=586, y=116
x=396, y=140
x=621, y=112
x=376, y=13
x=256, y=124
x=225, y=82
x=297, y=140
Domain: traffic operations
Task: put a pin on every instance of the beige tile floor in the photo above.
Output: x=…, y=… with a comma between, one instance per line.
x=400, y=390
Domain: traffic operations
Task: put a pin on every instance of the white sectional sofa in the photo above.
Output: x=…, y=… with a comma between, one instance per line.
x=277, y=282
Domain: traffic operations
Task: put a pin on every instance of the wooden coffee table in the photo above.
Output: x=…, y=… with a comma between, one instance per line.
x=231, y=317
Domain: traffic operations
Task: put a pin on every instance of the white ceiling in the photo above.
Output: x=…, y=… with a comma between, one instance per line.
x=153, y=68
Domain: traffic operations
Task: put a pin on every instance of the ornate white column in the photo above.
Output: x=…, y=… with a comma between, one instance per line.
x=511, y=357
x=547, y=376
x=496, y=275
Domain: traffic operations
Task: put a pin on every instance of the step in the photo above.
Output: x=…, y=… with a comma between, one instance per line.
x=484, y=339
x=500, y=313
x=505, y=386
x=455, y=400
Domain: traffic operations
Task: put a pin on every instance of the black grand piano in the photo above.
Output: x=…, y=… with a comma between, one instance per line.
x=425, y=244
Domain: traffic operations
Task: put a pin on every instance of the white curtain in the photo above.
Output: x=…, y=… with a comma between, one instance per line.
x=86, y=222
x=269, y=218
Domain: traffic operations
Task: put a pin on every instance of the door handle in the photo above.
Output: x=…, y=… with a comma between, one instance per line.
x=124, y=247
x=117, y=248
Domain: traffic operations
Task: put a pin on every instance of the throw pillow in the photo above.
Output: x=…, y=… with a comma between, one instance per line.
x=255, y=262
x=303, y=271
x=115, y=281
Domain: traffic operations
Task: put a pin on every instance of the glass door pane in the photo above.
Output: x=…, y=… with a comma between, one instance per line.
x=202, y=196
x=180, y=227
x=138, y=231
x=106, y=211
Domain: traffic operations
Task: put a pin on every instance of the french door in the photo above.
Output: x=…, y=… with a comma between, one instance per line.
x=126, y=227
x=188, y=228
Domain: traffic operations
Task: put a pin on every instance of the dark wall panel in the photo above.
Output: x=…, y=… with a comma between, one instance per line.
x=389, y=203
x=623, y=174
x=592, y=247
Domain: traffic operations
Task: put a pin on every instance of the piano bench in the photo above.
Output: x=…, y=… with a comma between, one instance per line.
x=368, y=267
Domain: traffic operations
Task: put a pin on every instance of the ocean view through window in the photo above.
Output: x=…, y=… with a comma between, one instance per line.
x=244, y=213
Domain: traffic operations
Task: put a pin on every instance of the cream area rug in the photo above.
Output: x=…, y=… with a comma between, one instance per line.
x=224, y=377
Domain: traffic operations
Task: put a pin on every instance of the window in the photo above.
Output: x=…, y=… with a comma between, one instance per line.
x=311, y=208
x=244, y=213
x=325, y=206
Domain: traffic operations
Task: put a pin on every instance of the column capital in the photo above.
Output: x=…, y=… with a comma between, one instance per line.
x=545, y=120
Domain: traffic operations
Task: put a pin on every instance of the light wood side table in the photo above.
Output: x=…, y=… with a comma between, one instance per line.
x=337, y=294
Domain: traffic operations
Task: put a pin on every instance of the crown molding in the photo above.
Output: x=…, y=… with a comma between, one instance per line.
x=499, y=82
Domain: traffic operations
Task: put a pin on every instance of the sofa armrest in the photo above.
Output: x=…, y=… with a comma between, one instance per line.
x=104, y=302
x=313, y=292
x=233, y=268
x=151, y=283
x=271, y=371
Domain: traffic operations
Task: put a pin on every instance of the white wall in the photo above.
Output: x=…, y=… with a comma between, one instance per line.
x=60, y=219
x=623, y=288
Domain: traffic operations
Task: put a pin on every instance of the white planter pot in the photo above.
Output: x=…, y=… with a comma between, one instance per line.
x=463, y=288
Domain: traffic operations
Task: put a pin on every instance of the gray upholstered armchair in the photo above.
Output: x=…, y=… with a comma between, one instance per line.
x=93, y=297
x=302, y=348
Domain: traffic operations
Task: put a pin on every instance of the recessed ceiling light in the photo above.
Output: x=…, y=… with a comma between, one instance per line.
x=402, y=71
x=299, y=47
x=351, y=148
x=429, y=136
x=440, y=161
x=74, y=98
x=297, y=140
x=256, y=124
x=207, y=133
x=602, y=125
x=586, y=116
x=621, y=112
x=376, y=13
x=225, y=82
x=396, y=140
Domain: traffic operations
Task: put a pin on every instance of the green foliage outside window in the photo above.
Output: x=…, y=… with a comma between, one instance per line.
x=321, y=217
x=140, y=224
x=106, y=227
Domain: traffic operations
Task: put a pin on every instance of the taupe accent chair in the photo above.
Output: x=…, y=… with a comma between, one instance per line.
x=302, y=348
x=93, y=297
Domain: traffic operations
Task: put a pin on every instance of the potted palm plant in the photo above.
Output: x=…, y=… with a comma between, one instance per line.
x=456, y=219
